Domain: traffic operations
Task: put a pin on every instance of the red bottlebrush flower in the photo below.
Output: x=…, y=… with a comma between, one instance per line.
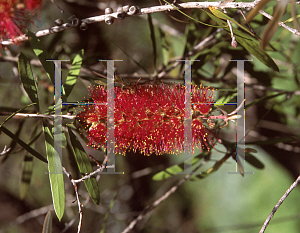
x=148, y=118
x=15, y=14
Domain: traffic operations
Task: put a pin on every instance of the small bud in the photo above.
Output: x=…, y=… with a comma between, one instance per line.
x=83, y=26
x=109, y=20
x=70, y=19
x=108, y=10
x=120, y=13
x=59, y=22
x=132, y=10
x=233, y=43
x=126, y=8
x=75, y=22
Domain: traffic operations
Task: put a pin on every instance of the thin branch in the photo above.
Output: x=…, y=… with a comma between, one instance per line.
x=158, y=201
x=36, y=115
x=5, y=150
x=33, y=214
x=292, y=30
x=77, y=197
x=74, y=183
x=147, y=10
x=262, y=230
x=155, y=204
x=76, y=191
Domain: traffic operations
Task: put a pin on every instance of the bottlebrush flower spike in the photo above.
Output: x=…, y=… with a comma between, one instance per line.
x=15, y=14
x=148, y=118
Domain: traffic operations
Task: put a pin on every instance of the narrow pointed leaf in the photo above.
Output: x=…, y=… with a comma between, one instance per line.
x=251, y=159
x=294, y=15
x=256, y=9
x=12, y=115
x=13, y=144
x=55, y=174
x=214, y=168
x=171, y=171
x=27, y=79
x=166, y=174
x=107, y=213
x=73, y=73
x=32, y=140
x=292, y=19
x=263, y=99
x=164, y=47
x=42, y=54
x=23, y=144
x=218, y=13
x=27, y=167
x=176, y=8
x=85, y=167
x=153, y=40
x=273, y=24
x=248, y=43
x=47, y=227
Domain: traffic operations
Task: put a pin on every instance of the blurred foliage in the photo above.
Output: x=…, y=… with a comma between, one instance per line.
x=150, y=46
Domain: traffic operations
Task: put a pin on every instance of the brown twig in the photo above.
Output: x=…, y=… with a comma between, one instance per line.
x=262, y=230
x=147, y=10
x=159, y=201
x=292, y=30
x=74, y=183
x=5, y=150
x=77, y=198
x=35, y=115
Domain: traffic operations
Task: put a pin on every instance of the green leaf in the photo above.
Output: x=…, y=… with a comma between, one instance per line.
x=227, y=98
x=213, y=169
x=166, y=174
x=208, y=55
x=171, y=171
x=272, y=26
x=263, y=99
x=256, y=9
x=55, y=174
x=176, y=8
x=85, y=167
x=27, y=167
x=42, y=54
x=73, y=73
x=23, y=144
x=247, y=42
x=164, y=47
x=12, y=115
x=152, y=36
x=294, y=15
x=27, y=79
x=251, y=159
x=47, y=227
x=107, y=213
x=13, y=144
x=32, y=140
x=218, y=13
